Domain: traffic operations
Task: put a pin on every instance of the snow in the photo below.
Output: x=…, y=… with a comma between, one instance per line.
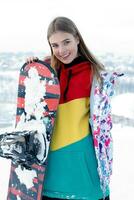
x=122, y=182
x=5, y=172
x=26, y=176
x=35, y=89
x=122, y=105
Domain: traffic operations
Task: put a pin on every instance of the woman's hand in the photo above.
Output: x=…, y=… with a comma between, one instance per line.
x=32, y=59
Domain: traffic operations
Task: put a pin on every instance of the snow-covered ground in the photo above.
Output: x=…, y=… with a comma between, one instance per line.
x=5, y=171
x=122, y=181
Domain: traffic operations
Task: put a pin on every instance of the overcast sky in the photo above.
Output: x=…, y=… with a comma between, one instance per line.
x=106, y=25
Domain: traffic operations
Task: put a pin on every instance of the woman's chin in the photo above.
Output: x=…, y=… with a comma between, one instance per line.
x=67, y=60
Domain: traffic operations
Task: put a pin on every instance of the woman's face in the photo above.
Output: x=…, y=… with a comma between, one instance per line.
x=64, y=46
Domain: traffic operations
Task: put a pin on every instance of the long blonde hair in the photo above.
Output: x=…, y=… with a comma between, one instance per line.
x=66, y=25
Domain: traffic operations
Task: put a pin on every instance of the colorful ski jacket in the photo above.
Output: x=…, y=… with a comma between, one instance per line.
x=101, y=125
x=100, y=121
x=71, y=124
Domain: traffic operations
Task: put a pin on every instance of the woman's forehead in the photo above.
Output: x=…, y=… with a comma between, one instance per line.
x=60, y=36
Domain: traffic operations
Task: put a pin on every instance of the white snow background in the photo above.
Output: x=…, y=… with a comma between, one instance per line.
x=23, y=29
x=122, y=182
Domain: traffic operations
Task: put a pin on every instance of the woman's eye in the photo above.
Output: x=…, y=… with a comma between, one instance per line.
x=54, y=45
x=66, y=42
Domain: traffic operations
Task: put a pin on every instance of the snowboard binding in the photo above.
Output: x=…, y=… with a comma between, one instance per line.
x=22, y=147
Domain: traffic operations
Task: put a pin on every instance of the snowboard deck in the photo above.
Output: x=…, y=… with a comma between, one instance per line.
x=37, y=102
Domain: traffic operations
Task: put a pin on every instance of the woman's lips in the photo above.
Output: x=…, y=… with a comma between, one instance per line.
x=65, y=56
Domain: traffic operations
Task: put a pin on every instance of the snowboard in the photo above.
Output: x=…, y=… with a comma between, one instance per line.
x=28, y=145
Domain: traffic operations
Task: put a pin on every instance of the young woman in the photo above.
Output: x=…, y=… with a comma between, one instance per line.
x=80, y=156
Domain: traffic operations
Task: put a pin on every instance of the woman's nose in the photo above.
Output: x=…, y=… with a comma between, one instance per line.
x=62, y=50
